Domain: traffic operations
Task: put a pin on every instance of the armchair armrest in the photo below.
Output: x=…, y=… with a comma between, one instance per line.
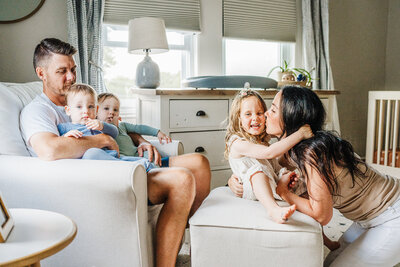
x=106, y=199
x=174, y=148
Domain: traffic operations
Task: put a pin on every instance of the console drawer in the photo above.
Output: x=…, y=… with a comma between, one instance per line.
x=209, y=143
x=198, y=113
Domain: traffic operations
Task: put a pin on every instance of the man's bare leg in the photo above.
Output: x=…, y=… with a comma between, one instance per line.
x=200, y=167
x=175, y=187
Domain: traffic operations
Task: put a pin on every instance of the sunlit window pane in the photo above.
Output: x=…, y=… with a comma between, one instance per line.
x=120, y=69
x=117, y=33
x=247, y=57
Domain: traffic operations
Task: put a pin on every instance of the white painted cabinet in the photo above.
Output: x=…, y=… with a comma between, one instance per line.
x=197, y=119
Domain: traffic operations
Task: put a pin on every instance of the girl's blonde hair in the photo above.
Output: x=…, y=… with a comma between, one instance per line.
x=234, y=125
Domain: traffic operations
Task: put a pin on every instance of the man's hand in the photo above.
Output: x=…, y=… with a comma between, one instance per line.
x=94, y=125
x=235, y=185
x=162, y=136
x=109, y=142
x=153, y=152
x=73, y=133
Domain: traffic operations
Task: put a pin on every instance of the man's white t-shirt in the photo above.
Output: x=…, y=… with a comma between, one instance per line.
x=41, y=115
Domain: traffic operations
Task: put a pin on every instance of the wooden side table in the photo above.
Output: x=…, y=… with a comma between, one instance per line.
x=37, y=234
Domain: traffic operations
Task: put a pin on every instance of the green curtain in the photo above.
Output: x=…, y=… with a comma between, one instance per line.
x=85, y=19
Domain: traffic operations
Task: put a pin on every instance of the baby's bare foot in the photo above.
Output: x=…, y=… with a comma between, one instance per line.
x=282, y=214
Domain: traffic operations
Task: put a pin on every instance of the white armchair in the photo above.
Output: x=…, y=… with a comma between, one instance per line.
x=106, y=199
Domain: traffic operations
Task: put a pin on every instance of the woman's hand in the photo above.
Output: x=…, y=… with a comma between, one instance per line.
x=94, y=125
x=73, y=133
x=306, y=131
x=235, y=185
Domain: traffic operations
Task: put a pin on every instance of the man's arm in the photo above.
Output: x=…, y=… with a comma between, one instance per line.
x=144, y=145
x=49, y=146
x=137, y=139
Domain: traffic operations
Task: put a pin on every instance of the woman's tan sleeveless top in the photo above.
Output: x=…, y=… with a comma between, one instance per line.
x=370, y=196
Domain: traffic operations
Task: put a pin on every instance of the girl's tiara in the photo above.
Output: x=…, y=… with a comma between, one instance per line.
x=246, y=89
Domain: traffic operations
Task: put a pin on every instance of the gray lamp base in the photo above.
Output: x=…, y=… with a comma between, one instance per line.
x=147, y=74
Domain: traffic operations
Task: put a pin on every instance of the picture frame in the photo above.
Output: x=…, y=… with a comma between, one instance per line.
x=6, y=221
x=12, y=11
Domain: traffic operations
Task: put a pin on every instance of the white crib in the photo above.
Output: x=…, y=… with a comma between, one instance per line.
x=383, y=142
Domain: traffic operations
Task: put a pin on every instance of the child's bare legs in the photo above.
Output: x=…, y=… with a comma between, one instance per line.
x=332, y=245
x=263, y=192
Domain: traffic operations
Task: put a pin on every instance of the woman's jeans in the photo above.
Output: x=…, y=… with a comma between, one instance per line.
x=370, y=243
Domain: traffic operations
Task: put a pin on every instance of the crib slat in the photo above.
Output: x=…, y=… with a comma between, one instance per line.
x=395, y=130
x=380, y=119
x=387, y=122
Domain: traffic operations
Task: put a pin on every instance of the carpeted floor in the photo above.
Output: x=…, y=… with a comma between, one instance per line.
x=334, y=229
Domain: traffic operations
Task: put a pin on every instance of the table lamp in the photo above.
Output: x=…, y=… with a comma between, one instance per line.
x=147, y=35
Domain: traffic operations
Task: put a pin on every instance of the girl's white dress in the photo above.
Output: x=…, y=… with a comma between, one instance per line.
x=244, y=168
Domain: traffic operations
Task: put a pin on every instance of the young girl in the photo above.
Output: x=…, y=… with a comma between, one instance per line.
x=247, y=150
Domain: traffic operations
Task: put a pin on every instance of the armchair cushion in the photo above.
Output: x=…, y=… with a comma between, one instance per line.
x=13, y=97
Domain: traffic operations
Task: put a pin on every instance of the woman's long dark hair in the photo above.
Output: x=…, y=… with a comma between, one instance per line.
x=325, y=149
x=301, y=106
x=322, y=152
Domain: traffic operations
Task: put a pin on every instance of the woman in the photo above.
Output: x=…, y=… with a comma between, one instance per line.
x=337, y=178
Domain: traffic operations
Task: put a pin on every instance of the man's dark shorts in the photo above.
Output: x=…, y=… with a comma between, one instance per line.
x=164, y=164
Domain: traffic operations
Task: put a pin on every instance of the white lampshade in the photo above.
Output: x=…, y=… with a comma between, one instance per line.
x=147, y=33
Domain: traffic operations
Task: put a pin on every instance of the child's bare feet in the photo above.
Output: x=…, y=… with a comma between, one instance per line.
x=282, y=214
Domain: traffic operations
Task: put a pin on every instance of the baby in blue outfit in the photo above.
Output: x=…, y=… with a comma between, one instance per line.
x=82, y=108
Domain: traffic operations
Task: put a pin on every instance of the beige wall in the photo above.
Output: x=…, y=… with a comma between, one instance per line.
x=357, y=51
x=18, y=40
x=393, y=47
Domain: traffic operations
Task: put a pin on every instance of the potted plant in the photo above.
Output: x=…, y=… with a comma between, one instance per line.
x=298, y=76
x=304, y=76
x=284, y=71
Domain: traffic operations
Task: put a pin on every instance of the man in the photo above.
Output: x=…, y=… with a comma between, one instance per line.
x=181, y=187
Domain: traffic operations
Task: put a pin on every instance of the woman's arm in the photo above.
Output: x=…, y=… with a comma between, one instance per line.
x=245, y=148
x=319, y=206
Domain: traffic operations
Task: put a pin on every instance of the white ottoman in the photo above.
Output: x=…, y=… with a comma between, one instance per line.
x=230, y=231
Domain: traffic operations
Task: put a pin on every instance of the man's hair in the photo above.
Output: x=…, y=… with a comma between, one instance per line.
x=50, y=46
x=80, y=88
x=103, y=96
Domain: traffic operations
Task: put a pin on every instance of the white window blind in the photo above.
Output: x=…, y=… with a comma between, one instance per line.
x=177, y=14
x=273, y=20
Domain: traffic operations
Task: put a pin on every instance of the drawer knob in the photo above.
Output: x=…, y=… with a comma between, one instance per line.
x=199, y=149
x=200, y=113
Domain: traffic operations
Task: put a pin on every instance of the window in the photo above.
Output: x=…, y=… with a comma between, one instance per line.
x=120, y=66
x=251, y=57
